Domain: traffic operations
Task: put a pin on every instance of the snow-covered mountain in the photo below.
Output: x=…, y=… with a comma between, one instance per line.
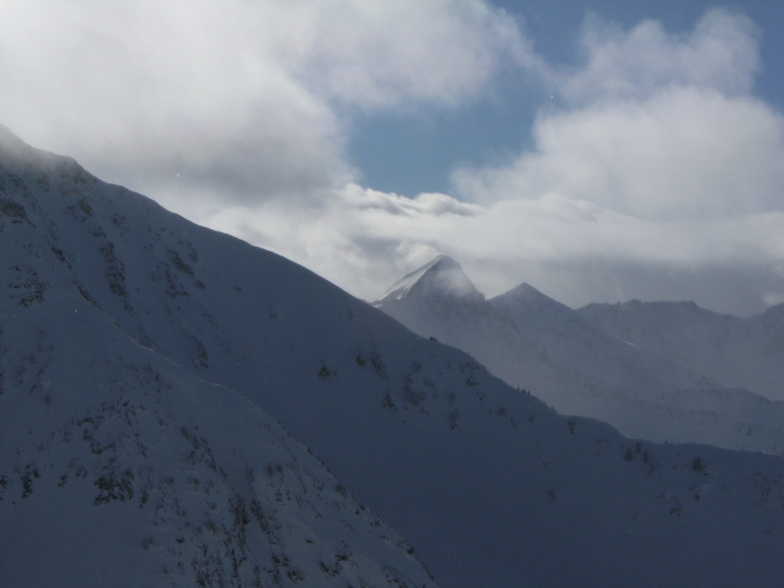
x=119, y=466
x=741, y=352
x=440, y=278
x=147, y=363
x=580, y=365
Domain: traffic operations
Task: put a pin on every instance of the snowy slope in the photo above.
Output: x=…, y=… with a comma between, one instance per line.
x=538, y=344
x=488, y=485
x=120, y=468
x=741, y=352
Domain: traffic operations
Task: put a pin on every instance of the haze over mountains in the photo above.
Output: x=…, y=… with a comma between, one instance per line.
x=658, y=371
x=740, y=352
x=180, y=408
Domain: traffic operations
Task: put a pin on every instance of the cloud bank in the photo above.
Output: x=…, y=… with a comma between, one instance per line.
x=659, y=175
x=237, y=96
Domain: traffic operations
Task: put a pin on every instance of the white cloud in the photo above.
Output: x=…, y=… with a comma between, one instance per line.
x=663, y=126
x=380, y=54
x=662, y=176
x=234, y=95
x=152, y=89
x=673, y=190
x=573, y=250
x=663, y=164
x=684, y=152
x=721, y=53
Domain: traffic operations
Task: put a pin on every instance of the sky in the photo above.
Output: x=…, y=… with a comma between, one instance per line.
x=600, y=151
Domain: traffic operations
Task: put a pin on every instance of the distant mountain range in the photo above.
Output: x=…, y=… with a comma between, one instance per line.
x=658, y=371
x=739, y=352
x=180, y=408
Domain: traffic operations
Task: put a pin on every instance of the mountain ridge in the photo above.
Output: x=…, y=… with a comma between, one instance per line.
x=581, y=364
x=743, y=352
x=101, y=438
x=187, y=330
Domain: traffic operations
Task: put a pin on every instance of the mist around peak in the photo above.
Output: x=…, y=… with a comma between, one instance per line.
x=442, y=277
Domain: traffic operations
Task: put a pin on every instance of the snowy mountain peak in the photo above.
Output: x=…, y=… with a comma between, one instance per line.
x=12, y=149
x=442, y=277
x=16, y=155
x=626, y=363
x=10, y=142
x=528, y=296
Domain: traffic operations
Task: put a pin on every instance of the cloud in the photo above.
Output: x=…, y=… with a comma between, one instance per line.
x=381, y=54
x=574, y=251
x=660, y=175
x=661, y=163
x=684, y=152
x=150, y=89
x=658, y=126
x=722, y=53
x=673, y=190
x=240, y=97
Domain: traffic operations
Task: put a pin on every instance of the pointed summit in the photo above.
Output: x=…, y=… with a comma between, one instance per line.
x=442, y=277
x=525, y=292
x=18, y=157
x=13, y=149
x=526, y=296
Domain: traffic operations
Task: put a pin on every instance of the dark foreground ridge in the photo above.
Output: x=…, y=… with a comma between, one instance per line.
x=146, y=368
